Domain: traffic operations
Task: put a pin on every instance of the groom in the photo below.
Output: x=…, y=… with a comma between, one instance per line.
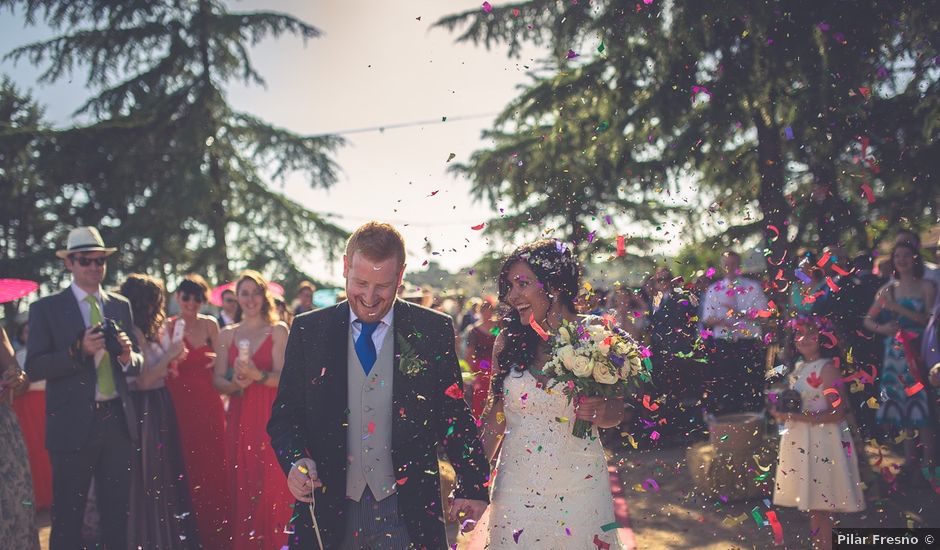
x=369, y=389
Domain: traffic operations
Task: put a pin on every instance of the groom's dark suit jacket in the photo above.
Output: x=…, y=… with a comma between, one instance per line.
x=55, y=322
x=309, y=419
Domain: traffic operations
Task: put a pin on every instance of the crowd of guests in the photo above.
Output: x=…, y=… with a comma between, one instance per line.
x=173, y=452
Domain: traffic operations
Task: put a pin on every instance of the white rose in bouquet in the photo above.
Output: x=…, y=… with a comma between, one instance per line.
x=604, y=347
x=604, y=373
x=564, y=336
x=566, y=356
x=583, y=366
x=597, y=333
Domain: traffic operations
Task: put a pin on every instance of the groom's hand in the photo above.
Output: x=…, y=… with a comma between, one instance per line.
x=466, y=512
x=302, y=479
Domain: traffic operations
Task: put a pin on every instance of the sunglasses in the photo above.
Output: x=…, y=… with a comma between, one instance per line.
x=85, y=262
x=185, y=296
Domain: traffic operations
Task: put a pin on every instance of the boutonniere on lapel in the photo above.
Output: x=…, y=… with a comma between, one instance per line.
x=408, y=361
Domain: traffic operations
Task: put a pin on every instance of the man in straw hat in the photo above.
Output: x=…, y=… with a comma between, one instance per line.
x=90, y=420
x=370, y=388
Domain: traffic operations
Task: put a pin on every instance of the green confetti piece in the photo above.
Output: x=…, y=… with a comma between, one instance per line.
x=600, y=49
x=450, y=430
x=610, y=526
x=755, y=512
x=723, y=438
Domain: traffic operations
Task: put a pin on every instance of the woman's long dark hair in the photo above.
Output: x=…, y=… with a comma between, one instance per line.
x=559, y=273
x=146, y=295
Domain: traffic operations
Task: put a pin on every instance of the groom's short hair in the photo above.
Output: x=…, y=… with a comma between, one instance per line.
x=377, y=241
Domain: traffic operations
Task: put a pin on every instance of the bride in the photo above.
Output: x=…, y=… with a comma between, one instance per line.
x=550, y=489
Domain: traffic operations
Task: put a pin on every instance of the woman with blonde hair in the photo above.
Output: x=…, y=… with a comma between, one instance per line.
x=250, y=356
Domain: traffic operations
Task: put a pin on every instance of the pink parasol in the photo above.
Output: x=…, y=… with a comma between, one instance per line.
x=215, y=298
x=14, y=289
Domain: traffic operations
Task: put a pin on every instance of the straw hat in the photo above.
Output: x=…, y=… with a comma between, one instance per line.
x=84, y=239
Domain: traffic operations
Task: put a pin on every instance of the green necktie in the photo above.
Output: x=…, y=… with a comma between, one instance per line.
x=105, y=376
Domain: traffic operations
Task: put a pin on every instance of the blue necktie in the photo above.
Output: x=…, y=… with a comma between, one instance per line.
x=365, y=347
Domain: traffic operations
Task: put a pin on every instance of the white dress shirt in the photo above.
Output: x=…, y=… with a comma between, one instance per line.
x=379, y=335
x=85, y=308
x=743, y=296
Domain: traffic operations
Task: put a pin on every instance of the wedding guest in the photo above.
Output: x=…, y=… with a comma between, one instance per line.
x=735, y=379
x=160, y=507
x=91, y=424
x=30, y=410
x=900, y=311
x=201, y=416
x=229, y=307
x=479, y=351
x=815, y=474
x=305, y=292
x=18, y=528
x=252, y=352
x=283, y=312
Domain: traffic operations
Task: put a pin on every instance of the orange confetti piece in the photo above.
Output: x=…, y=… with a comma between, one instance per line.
x=650, y=406
x=621, y=245
x=839, y=270
x=833, y=391
x=832, y=284
x=914, y=389
x=776, y=232
x=824, y=260
x=538, y=329
x=869, y=194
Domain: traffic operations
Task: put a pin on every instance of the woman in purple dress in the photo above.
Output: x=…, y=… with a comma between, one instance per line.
x=161, y=510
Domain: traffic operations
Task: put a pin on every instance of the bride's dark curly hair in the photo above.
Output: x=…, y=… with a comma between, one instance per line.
x=558, y=273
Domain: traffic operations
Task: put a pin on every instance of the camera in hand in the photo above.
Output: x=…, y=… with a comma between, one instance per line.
x=789, y=401
x=110, y=328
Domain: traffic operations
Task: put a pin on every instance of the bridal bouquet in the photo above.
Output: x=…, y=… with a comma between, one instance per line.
x=593, y=360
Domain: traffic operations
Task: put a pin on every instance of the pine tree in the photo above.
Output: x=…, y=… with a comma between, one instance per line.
x=167, y=166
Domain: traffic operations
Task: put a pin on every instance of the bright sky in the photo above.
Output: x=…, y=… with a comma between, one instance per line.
x=377, y=64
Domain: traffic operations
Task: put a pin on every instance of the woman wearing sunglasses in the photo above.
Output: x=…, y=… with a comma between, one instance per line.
x=201, y=416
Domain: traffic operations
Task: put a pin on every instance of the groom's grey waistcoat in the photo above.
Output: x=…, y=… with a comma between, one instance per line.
x=370, y=406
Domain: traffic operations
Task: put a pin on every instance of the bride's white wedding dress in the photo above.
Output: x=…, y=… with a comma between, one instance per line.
x=551, y=489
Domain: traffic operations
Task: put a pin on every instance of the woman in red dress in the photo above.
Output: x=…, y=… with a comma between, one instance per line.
x=248, y=367
x=30, y=408
x=201, y=416
x=480, y=339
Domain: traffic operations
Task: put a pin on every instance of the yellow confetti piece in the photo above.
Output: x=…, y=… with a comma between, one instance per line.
x=762, y=468
x=731, y=521
x=500, y=418
x=856, y=387
x=562, y=419
x=639, y=488
x=848, y=357
x=632, y=441
x=872, y=403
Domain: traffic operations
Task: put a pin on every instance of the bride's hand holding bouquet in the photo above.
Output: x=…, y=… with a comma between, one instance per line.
x=595, y=363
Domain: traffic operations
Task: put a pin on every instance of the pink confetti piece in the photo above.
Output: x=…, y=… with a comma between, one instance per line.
x=710, y=273
x=654, y=436
x=571, y=54
x=869, y=195
x=487, y=7
x=601, y=545
x=478, y=227
x=651, y=485
x=621, y=246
